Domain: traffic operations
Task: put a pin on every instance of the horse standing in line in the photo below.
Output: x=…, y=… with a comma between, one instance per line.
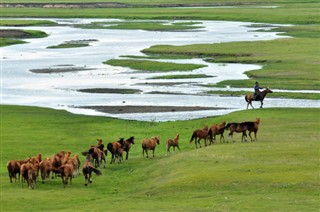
x=217, y=129
x=150, y=144
x=87, y=170
x=253, y=126
x=200, y=134
x=127, y=145
x=239, y=128
x=173, y=142
x=261, y=95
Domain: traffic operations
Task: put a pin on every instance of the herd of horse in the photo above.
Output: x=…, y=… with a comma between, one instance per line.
x=67, y=167
x=210, y=134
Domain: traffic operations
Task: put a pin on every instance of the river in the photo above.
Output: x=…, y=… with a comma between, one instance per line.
x=20, y=86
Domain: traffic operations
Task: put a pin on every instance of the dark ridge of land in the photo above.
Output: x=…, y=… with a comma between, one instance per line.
x=110, y=90
x=145, y=109
x=120, y=5
x=58, y=70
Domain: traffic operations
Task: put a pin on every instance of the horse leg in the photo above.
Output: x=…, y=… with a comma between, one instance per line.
x=127, y=155
x=250, y=135
x=261, y=104
x=153, y=152
x=178, y=148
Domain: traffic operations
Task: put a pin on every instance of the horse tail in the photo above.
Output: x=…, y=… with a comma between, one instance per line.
x=193, y=136
x=109, y=147
x=246, y=98
x=97, y=171
x=229, y=124
x=85, y=153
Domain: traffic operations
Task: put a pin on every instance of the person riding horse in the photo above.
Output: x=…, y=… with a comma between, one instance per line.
x=256, y=90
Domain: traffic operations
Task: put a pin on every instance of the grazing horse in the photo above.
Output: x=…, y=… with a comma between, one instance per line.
x=200, y=134
x=116, y=150
x=150, y=143
x=217, y=129
x=127, y=145
x=261, y=95
x=87, y=170
x=173, y=142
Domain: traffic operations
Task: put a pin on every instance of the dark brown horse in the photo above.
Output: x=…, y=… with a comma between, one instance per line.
x=127, y=145
x=173, y=142
x=217, y=129
x=239, y=128
x=200, y=134
x=87, y=170
x=150, y=144
x=253, y=126
x=261, y=95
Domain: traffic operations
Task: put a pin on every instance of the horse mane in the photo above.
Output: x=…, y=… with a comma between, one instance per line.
x=131, y=139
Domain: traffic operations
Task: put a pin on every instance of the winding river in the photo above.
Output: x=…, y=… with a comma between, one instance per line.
x=20, y=86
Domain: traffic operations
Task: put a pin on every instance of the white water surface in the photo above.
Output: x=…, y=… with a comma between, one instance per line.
x=19, y=86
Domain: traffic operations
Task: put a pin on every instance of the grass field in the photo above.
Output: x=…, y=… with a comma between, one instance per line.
x=278, y=172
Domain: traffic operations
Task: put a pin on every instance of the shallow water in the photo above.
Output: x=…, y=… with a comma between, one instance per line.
x=59, y=90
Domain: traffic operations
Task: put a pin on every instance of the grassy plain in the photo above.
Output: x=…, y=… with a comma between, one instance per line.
x=278, y=172
x=153, y=66
x=286, y=13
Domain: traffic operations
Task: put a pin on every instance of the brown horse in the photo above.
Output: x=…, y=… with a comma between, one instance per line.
x=150, y=144
x=173, y=142
x=239, y=128
x=87, y=170
x=45, y=169
x=200, y=134
x=13, y=167
x=66, y=172
x=253, y=126
x=116, y=149
x=261, y=95
x=127, y=145
x=217, y=129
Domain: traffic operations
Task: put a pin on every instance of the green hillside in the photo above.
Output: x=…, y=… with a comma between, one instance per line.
x=278, y=172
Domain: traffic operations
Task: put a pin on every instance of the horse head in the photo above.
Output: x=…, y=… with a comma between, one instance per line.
x=131, y=140
x=157, y=138
x=268, y=90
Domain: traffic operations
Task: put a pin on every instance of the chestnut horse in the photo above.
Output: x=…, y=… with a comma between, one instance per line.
x=127, y=145
x=173, y=142
x=87, y=170
x=116, y=150
x=261, y=95
x=150, y=143
x=217, y=129
x=200, y=134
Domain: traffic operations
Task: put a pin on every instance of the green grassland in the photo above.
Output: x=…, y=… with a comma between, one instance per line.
x=5, y=22
x=286, y=13
x=278, y=172
x=153, y=66
x=293, y=62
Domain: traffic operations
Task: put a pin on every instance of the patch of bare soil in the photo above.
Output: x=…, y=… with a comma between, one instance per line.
x=145, y=109
x=13, y=33
x=58, y=70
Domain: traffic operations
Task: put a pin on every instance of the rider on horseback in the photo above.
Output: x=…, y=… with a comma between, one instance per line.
x=256, y=90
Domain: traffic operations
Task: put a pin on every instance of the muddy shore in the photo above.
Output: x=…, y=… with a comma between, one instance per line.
x=145, y=109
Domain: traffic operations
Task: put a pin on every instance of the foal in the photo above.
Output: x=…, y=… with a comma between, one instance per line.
x=173, y=142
